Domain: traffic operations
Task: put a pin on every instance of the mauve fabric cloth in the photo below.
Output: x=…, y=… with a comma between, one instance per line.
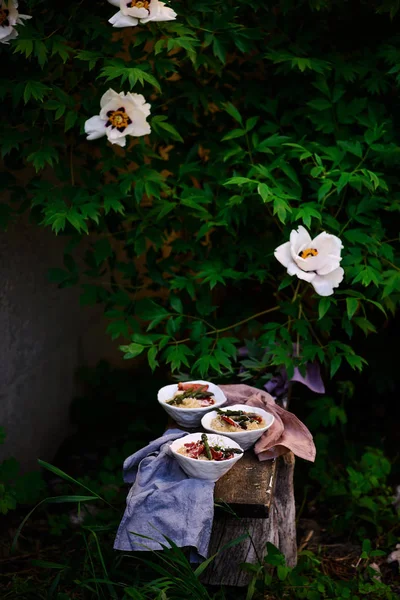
x=164, y=501
x=286, y=433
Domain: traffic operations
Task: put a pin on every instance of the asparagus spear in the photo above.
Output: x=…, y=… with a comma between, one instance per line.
x=234, y=450
x=192, y=393
x=230, y=413
x=204, y=439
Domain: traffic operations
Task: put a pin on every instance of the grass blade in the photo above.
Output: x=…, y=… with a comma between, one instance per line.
x=67, y=477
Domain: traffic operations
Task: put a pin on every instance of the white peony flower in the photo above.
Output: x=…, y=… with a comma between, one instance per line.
x=9, y=17
x=132, y=12
x=120, y=115
x=316, y=261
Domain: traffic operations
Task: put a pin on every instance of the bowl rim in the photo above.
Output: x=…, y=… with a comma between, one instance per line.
x=217, y=403
x=227, y=461
x=239, y=433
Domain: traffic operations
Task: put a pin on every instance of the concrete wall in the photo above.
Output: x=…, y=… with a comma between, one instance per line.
x=44, y=336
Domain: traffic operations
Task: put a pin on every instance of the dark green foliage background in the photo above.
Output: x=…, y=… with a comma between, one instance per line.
x=264, y=116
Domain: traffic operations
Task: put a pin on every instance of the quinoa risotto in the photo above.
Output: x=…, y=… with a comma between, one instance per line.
x=202, y=450
x=235, y=421
x=192, y=395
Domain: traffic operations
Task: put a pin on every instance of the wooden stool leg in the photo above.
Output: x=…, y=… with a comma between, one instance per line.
x=279, y=529
x=282, y=531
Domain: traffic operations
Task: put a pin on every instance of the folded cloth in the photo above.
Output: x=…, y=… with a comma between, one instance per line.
x=286, y=433
x=164, y=501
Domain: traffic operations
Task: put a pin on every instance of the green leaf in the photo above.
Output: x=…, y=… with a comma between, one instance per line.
x=40, y=51
x=70, y=120
x=335, y=364
x=117, y=328
x=158, y=123
x=281, y=208
x=102, y=250
x=132, y=350
x=323, y=306
x=23, y=46
x=90, y=56
x=219, y=50
x=251, y=123
x=352, y=306
x=235, y=133
x=320, y=104
x=177, y=355
x=233, y=112
x=282, y=572
x=148, y=310
x=36, y=90
x=352, y=147
x=176, y=304
x=42, y=157
x=59, y=46
x=239, y=181
x=365, y=325
x=116, y=69
x=264, y=191
x=111, y=203
x=273, y=141
x=151, y=357
x=324, y=189
x=203, y=365
x=356, y=362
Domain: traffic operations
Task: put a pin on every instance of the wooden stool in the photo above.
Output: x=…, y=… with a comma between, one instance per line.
x=259, y=500
x=255, y=498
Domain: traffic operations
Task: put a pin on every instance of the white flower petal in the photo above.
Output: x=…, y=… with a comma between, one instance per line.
x=324, y=284
x=8, y=36
x=140, y=102
x=138, y=13
x=120, y=20
x=119, y=141
x=163, y=13
x=299, y=240
x=331, y=264
x=282, y=253
x=115, y=2
x=95, y=128
x=328, y=242
x=110, y=96
x=21, y=18
x=139, y=127
x=114, y=134
x=293, y=269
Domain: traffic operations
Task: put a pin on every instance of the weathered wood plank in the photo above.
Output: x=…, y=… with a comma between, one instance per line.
x=248, y=486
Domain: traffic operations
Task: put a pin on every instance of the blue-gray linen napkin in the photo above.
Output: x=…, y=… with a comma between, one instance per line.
x=164, y=501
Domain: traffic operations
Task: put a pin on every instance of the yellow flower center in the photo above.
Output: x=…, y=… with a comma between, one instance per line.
x=118, y=119
x=4, y=22
x=308, y=252
x=139, y=4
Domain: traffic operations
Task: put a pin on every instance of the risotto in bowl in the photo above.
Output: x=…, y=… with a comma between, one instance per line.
x=242, y=423
x=187, y=402
x=206, y=456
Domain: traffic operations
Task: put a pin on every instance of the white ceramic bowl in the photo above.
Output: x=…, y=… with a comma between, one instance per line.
x=244, y=438
x=189, y=417
x=212, y=470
